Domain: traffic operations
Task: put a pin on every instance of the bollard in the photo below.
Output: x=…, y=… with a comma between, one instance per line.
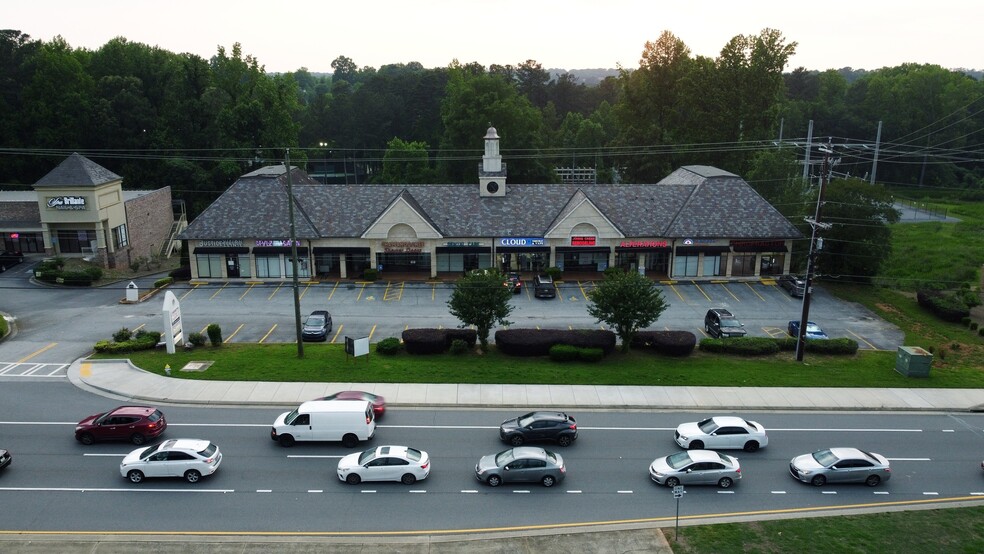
x=167, y=369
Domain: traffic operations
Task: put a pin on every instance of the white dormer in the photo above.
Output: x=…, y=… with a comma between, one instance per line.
x=492, y=172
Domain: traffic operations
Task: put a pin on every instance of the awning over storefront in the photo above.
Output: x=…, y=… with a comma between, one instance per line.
x=221, y=250
x=694, y=250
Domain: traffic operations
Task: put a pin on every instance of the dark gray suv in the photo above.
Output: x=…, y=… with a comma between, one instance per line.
x=720, y=323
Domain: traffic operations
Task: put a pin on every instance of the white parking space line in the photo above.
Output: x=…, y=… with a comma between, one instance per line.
x=107, y=455
x=311, y=456
x=369, y=491
x=829, y=492
x=778, y=492
x=977, y=494
x=948, y=430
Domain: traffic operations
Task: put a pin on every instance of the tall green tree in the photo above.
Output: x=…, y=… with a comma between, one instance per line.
x=859, y=239
x=628, y=302
x=406, y=163
x=479, y=299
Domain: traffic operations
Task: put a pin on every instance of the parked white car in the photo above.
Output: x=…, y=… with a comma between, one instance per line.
x=188, y=458
x=385, y=463
x=720, y=433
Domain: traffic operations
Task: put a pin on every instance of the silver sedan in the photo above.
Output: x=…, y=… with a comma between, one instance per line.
x=721, y=433
x=525, y=464
x=695, y=467
x=840, y=465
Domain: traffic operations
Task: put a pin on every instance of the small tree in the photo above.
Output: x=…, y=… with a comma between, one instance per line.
x=628, y=302
x=479, y=299
x=214, y=334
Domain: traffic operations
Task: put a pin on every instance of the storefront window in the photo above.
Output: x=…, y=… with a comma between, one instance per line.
x=268, y=266
x=355, y=264
x=714, y=266
x=303, y=267
x=685, y=266
x=120, y=238
x=76, y=242
x=210, y=265
x=772, y=264
x=326, y=264
x=743, y=265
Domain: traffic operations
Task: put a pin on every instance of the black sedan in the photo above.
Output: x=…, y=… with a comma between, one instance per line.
x=539, y=426
x=10, y=258
x=317, y=326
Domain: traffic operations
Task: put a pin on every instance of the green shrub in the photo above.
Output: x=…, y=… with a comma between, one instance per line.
x=563, y=353
x=590, y=354
x=94, y=273
x=965, y=320
x=163, y=282
x=370, y=274
x=196, y=339
x=554, y=272
x=122, y=335
x=141, y=341
x=980, y=332
x=3, y=326
x=425, y=341
x=135, y=265
x=973, y=325
x=214, y=334
x=182, y=273
x=741, y=346
x=458, y=347
x=389, y=346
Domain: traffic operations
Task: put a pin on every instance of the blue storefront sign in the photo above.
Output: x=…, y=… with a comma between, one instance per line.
x=520, y=242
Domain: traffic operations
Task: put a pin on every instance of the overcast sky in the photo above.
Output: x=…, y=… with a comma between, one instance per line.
x=566, y=34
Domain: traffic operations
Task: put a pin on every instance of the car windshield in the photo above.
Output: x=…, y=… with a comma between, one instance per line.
x=209, y=450
x=150, y=450
x=708, y=426
x=157, y=415
x=291, y=417
x=727, y=322
x=525, y=420
x=551, y=457
x=826, y=458
x=813, y=328
x=315, y=321
x=678, y=460
x=503, y=458
x=367, y=455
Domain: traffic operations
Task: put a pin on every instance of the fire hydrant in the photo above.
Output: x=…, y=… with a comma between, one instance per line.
x=167, y=369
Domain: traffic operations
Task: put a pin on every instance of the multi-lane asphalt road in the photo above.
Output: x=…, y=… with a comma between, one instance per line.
x=57, y=484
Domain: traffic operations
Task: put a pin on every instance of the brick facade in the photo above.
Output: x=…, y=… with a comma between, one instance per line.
x=148, y=221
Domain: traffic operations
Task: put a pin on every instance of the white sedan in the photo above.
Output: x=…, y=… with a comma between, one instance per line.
x=188, y=458
x=722, y=432
x=385, y=463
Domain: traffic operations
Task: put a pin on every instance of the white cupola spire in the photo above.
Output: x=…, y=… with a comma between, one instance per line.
x=492, y=172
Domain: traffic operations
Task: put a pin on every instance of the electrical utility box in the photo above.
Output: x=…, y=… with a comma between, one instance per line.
x=913, y=361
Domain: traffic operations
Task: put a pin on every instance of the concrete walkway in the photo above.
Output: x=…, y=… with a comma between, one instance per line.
x=120, y=378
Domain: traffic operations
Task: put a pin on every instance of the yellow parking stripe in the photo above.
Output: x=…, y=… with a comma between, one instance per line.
x=725, y=287
x=701, y=290
x=36, y=352
x=247, y=290
x=337, y=333
x=333, y=289
x=751, y=288
x=275, y=291
x=229, y=338
x=371, y=332
x=270, y=332
x=224, y=285
x=191, y=290
x=860, y=338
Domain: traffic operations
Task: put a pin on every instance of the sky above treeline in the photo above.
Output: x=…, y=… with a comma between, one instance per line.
x=563, y=34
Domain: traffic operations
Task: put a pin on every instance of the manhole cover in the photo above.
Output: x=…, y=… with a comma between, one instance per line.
x=196, y=366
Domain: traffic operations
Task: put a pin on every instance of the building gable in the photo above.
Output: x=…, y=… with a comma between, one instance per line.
x=581, y=213
x=405, y=211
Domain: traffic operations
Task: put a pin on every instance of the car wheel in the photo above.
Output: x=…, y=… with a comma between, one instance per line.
x=696, y=445
x=565, y=440
x=872, y=480
x=135, y=476
x=353, y=479
x=751, y=446
x=672, y=482
x=548, y=480
x=494, y=480
x=192, y=475
x=408, y=479
x=286, y=441
x=350, y=440
x=725, y=483
x=87, y=438
x=818, y=481
x=137, y=439
x=516, y=440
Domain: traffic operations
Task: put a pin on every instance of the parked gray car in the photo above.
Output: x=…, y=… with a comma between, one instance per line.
x=524, y=464
x=695, y=467
x=794, y=284
x=840, y=465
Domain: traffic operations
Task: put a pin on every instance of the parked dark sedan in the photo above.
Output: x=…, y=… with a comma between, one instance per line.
x=10, y=258
x=317, y=326
x=539, y=426
x=514, y=283
x=5, y=459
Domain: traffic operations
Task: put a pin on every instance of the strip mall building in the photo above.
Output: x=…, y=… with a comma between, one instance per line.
x=697, y=223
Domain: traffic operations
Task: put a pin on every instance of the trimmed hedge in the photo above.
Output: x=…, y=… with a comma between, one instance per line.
x=537, y=342
x=163, y=282
x=142, y=340
x=425, y=341
x=668, y=343
x=469, y=336
x=764, y=346
x=389, y=346
x=182, y=273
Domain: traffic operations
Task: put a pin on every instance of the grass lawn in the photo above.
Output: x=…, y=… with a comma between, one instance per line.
x=942, y=530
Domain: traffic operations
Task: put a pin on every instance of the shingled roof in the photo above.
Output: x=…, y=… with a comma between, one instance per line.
x=693, y=201
x=77, y=171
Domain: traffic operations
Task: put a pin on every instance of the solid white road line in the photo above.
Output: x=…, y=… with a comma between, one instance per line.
x=85, y=489
x=311, y=456
x=108, y=455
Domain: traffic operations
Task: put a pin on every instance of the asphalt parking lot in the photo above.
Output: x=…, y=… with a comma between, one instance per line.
x=262, y=312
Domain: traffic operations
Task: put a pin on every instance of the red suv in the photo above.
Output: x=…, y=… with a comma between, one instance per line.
x=133, y=423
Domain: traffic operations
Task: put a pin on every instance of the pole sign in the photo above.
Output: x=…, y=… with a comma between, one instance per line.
x=171, y=315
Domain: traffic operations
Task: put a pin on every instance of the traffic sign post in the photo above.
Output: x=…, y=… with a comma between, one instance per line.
x=678, y=493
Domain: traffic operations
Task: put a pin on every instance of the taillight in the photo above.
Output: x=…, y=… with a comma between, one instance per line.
x=425, y=465
x=152, y=425
x=573, y=425
x=563, y=469
x=738, y=471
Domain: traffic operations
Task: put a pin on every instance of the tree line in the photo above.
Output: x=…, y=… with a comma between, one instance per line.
x=160, y=118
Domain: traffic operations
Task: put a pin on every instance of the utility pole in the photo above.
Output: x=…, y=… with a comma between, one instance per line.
x=814, y=251
x=293, y=257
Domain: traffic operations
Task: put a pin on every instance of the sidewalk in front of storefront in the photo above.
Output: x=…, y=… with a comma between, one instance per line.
x=120, y=379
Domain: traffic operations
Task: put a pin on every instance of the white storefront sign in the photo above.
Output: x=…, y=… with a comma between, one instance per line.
x=171, y=314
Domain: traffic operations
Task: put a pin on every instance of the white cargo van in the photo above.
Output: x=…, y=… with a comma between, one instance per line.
x=349, y=421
